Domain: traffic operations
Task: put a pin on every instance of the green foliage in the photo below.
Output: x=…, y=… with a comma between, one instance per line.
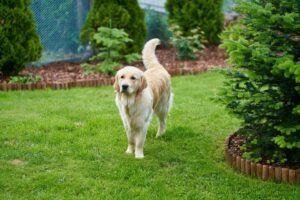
x=187, y=47
x=157, y=27
x=125, y=15
x=205, y=14
x=25, y=79
x=111, y=42
x=264, y=89
x=19, y=42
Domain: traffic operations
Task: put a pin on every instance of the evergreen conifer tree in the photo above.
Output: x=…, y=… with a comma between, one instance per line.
x=265, y=86
x=19, y=42
x=121, y=14
x=204, y=14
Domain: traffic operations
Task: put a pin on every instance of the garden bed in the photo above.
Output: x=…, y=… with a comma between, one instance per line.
x=62, y=75
x=233, y=155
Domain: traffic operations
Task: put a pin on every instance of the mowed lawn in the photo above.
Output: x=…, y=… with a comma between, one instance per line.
x=73, y=146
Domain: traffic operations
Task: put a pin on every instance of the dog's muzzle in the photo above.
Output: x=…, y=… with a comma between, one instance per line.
x=125, y=88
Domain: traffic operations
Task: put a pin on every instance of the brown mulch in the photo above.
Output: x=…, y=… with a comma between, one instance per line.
x=235, y=142
x=62, y=72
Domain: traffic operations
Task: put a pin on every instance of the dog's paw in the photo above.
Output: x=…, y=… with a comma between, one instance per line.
x=129, y=151
x=158, y=135
x=139, y=155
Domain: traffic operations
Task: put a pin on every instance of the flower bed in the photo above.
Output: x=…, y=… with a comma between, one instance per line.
x=262, y=171
x=68, y=75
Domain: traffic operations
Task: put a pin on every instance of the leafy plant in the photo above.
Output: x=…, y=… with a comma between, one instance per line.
x=187, y=46
x=25, y=79
x=264, y=86
x=205, y=14
x=111, y=42
x=126, y=15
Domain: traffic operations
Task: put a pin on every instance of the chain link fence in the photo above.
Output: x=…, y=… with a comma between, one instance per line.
x=58, y=24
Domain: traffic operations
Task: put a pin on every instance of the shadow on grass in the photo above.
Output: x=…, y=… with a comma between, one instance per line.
x=174, y=147
x=179, y=132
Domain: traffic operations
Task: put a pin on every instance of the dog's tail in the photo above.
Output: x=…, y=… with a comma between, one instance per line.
x=149, y=57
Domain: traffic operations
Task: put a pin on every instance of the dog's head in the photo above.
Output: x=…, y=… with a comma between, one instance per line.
x=130, y=80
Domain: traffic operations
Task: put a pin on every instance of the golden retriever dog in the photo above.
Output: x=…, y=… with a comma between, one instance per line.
x=139, y=94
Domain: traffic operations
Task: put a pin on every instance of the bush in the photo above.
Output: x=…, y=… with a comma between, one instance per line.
x=111, y=41
x=125, y=15
x=157, y=27
x=265, y=86
x=205, y=14
x=19, y=42
x=187, y=47
x=25, y=79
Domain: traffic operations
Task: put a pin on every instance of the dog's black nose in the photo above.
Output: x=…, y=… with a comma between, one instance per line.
x=125, y=87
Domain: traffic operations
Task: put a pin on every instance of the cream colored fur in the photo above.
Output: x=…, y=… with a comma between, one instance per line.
x=146, y=92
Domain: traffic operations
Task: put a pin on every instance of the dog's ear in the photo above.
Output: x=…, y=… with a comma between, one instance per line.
x=116, y=84
x=143, y=84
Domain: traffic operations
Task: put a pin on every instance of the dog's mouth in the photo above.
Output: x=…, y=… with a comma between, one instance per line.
x=126, y=92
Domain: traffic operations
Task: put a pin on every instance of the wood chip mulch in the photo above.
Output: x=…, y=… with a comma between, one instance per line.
x=235, y=143
x=62, y=72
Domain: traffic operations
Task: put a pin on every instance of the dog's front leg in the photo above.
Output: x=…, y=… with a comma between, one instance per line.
x=130, y=136
x=131, y=142
x=140, y=138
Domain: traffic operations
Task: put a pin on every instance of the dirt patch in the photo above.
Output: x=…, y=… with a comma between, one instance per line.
x=18, y=162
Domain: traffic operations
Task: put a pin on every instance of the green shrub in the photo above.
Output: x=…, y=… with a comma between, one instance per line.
x=265, y=84
x=25, y=79
x=19, y=42
x=125, y=15
x=157, y=27
x=205, y=14
x=111, y=42
x=187, y=47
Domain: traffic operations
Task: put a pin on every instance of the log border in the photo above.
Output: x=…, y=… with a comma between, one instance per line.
x=89, y=83
x=261, y=171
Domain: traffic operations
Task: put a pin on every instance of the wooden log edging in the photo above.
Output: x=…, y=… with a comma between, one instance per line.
x=89, y=83
x=57, y=86
x=261, y=171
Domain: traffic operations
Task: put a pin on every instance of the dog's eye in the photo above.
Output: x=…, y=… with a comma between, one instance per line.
x=122, y=76
x=133, y=78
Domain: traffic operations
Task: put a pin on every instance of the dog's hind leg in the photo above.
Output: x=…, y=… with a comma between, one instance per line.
x=162, y=116
x=162, y=113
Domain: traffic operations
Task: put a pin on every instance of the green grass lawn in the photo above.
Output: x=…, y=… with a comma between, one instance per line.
x=74, y=146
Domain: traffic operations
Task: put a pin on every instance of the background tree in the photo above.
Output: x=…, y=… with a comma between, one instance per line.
x=204, y=14
x=119, y=14
x=265, y=84
x=157, y=26
x=19, y=42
